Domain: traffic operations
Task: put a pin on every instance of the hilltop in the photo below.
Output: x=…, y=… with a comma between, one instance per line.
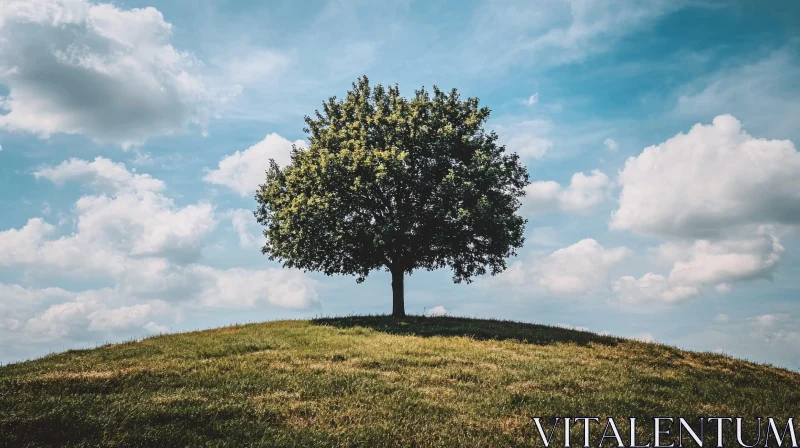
x=369, y=381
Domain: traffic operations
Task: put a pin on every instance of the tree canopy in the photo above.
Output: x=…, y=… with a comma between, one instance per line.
x=397, y=184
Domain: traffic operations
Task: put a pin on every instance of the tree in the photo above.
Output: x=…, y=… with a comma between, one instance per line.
x=396, y=184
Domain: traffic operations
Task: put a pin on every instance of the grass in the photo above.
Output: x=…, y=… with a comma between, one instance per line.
x=370, y=381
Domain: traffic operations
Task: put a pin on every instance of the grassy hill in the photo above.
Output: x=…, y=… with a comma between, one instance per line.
x=369, y=381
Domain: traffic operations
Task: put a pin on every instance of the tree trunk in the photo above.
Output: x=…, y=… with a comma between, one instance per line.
x=398, y=305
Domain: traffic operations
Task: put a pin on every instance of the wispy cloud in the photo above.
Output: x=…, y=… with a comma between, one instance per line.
x=763, y=93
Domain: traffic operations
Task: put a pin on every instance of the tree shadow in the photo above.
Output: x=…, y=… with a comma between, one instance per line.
x=480, y=329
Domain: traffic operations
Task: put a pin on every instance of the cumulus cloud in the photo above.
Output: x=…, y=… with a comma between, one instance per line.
x=244, y=171
x=130, y=305
x=21, y=245
x=720, y=263
x=31, y=248
x=712, y=180
x=769, y=320
x=60, y=320
x=124, y=317
x=149, y=224
x=17, y=301
x=108, y=73
x=651, y=288
x=610, y=144
x=581, y=268
x=35, y=315
x=127, y=234
x=155, y=328
x=101, y=174
x=245, y=288
x=89, y=312
x=583, y=192
x=132, y=217
x=719, y=196
x=436, y=311
x=700, y=264
x=527, y=138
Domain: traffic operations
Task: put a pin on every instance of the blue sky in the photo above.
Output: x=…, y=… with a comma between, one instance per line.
x=660, y=135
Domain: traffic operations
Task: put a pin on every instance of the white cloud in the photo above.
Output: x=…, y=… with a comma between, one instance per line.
x=114, y=229
x=531, y=100
x=527, y=138
x=32, y=315
x=703, y=263
x=778, y=329
x=651, y=289
x=436, y=311
x=17, y=301
x=124, y=317
x=581, y=268
x=1, y=147
x=145, y=225
x=94, y=69
x=245, y=225
x=155, y=328
x=244, y=171
x=89, y=312
x=728, y=261
x=719, y=196
x=101, y=174
x=42, y=315
x=711, y=181
x=769, y=320
x=141, y=252
x=29, y=248
x=582, y=193
x=244, y=288
x=610, y=144
x=21, y=245
x=60, y=320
